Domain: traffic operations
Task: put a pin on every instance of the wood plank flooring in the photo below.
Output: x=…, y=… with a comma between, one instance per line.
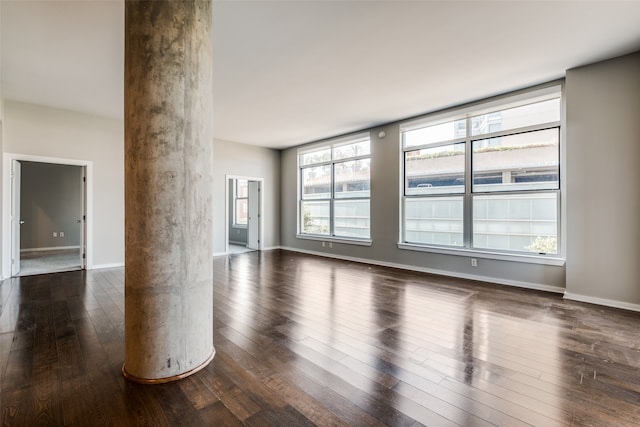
x=302, y=340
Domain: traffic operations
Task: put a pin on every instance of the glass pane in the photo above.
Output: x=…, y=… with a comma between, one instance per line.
x=516, y=222
x=352, y=179
x=242, y=188
x=526, y=161
x=319, y=156
x=361, y=148
x=434, y=220
x=437, y=133
x=241, y=212
x=438, y=170
x=351, y=218
x=518, y=117
x=315, y=217
x=316, y=182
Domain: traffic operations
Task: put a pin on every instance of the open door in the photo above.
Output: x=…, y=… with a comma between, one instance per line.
x=253, y=219
x=15, y=173
x=16, y=222
x=82, y=220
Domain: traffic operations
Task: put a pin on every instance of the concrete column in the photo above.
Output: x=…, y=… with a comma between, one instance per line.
x=168, y=189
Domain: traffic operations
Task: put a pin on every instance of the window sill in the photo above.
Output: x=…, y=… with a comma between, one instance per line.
x=530, y=259
x=345, y=240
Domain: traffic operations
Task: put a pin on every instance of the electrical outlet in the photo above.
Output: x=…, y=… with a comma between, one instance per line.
x=474, y=262
x=55, y=234
x=323, y=244
x=330, y=244
x=62, y=234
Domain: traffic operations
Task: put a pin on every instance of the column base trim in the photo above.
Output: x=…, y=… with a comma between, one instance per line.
x=133, y=378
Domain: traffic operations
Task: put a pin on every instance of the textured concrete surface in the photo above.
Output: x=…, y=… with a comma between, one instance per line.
x=168, y=188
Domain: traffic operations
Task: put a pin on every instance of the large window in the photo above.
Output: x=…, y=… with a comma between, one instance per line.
x=241, y=202
x=335, y=189
x=487, y=178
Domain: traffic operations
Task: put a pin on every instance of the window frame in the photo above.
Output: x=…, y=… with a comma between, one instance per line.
x=551, y=91
x=332, y=199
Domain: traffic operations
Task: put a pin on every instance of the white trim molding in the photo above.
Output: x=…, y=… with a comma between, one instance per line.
x=602, y=301
x=227, y=207
x=103, y=266
x=474, y=253
x=50, y=248
x=333, y=239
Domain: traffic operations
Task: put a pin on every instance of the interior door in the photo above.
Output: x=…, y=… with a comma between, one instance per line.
x=82, y=220
x=253, y=220
x=16, y=177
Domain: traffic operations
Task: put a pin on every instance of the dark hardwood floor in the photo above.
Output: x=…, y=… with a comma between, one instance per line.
x=303, y=340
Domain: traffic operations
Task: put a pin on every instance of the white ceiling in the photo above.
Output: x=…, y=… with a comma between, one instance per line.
x=289, y=72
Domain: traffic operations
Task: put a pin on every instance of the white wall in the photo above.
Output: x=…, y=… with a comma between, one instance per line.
x=249, y=161
x=1, y=96
x=1, y=134
x=41, y=131
x=603, y=174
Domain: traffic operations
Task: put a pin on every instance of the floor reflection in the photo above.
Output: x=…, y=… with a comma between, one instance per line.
x=467, y=342
x=302, y=340
x=404, y=347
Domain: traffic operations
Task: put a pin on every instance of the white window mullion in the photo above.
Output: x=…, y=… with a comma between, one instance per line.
x=468, y=185
x=332, y=222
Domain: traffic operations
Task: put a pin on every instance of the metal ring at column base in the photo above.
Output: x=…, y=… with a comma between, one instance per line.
x=133, y=378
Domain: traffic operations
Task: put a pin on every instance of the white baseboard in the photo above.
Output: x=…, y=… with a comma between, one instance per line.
x=270, y=248
x=102, y=266
x=602, y=301
x=519, y=284
x=50, y=248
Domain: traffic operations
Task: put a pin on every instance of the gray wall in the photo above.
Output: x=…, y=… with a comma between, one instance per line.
x=50, y=201
x=603, y=174
x=41, y=131
x=236, y=235
x=385, y=224
x=248, y=161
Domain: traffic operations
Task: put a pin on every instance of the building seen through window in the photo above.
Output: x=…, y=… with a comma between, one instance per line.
x=241, y=202
x=335, y=189
x=486, y=181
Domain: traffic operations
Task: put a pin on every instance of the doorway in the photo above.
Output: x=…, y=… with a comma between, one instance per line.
x=244, y=214
x=47, y=221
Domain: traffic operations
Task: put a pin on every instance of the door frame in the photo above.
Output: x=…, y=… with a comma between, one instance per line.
x=253, y=207
x=227, y=206
x=7, y=232
x=16, y=217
